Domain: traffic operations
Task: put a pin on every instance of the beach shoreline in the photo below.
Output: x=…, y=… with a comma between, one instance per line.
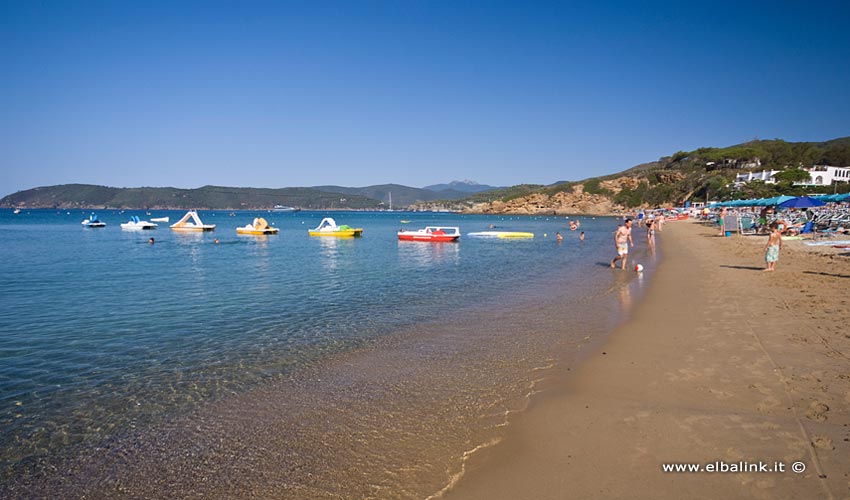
x=720, y=362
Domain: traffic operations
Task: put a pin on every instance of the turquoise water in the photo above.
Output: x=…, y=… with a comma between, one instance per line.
x=104, y=335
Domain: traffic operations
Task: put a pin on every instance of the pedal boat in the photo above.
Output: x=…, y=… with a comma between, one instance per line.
x=436, y=234
x=93, y=221
x=501, y=234
x=259, y=227
x=196, y=224
x=137, y=225
x=328, y=227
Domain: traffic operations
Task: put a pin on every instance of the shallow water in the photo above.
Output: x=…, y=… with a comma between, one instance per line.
x=283, y=365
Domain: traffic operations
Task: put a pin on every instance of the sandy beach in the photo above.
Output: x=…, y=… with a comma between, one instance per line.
x=720, y=363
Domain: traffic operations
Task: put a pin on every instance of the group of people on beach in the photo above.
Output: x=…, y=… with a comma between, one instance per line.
x=623, y=239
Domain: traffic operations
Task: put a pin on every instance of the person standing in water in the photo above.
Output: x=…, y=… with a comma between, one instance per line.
x=622, y=239
x=650, y=233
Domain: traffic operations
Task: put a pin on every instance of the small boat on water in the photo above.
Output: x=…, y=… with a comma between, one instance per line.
x=160, y=219
x=436, y=234
x=283, y=208
x=17, y=211
x=501, y=234
x=328, y=227
x=259, y=226
x=137, y=225
x=93, y=221
x=196, y=224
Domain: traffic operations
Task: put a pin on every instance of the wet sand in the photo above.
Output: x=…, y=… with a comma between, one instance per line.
x=720, y=362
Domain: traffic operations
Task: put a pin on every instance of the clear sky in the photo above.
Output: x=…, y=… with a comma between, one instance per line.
x=415, y=92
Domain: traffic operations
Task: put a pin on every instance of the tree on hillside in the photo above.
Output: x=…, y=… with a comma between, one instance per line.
x=792, y=175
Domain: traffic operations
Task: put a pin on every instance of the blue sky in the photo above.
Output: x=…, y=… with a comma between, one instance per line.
x=415, y=92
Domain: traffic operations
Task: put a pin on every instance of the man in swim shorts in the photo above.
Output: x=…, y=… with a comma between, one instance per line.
x=623, y=238
x=773, y=246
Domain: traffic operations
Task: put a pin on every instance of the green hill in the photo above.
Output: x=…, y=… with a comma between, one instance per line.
x=699, y=175
x=207, y=197
x=402, y=196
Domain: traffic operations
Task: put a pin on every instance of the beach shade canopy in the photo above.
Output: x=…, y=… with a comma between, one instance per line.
x=801, y=202
x=777, y=200
x=832, y=198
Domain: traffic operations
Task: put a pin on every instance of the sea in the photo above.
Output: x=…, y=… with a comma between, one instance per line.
x=217, y=365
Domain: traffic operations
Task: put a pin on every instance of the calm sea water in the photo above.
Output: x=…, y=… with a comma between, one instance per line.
x=318, y=348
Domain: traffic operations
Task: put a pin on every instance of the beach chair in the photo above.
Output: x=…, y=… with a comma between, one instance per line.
x=747, y=225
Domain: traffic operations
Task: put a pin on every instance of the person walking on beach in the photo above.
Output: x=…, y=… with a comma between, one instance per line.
x=773, y=246
x=650, y=233
x=623, y=238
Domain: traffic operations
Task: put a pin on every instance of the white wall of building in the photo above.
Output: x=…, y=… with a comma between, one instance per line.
x=824, y=175
x=765, y=176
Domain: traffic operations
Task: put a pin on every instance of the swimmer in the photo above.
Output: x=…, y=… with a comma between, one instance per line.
x=582, y=236
x=215, y=241
x=559, y=237
x=151, y=241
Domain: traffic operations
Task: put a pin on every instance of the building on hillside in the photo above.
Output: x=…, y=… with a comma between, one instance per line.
x=765, y=176
x=742, y=162
x=825, y=175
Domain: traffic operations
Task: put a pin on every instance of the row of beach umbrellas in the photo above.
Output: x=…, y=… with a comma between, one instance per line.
x=787, y=201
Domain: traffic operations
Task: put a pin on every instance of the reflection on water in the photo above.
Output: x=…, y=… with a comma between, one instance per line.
x=427, y=254
x=624, y=295
x=333, y=249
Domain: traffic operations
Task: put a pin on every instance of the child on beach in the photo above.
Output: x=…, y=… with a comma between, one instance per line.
x=773, y=246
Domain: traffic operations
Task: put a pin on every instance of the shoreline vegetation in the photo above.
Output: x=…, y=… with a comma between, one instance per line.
x=719, y=363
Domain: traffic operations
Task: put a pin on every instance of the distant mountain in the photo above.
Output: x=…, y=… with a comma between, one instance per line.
x=466, y=186
x=402, y=196
x=207, y=197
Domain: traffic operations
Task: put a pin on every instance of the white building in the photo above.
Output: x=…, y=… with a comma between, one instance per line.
x=765, y=176
x=824, y=175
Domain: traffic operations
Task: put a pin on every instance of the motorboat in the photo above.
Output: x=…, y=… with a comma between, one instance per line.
x=259, y=226
x=431, y=233
x=136, y=225
x=282, y=208
x=17, y=211
x=195, y=225
x=328, y=227
x=93, y=221
x=501, y=234
x=160, y=219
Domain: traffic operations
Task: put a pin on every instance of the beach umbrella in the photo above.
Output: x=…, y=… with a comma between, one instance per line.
x=801, y=202
x=778, y=200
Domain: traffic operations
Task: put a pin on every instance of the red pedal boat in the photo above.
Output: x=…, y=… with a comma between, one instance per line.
x=431, y=233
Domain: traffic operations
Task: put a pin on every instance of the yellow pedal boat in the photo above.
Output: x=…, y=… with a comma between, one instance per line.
x=259, y=227
x=328, y=227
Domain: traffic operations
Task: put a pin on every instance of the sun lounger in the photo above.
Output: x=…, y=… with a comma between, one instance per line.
x=747, y=225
